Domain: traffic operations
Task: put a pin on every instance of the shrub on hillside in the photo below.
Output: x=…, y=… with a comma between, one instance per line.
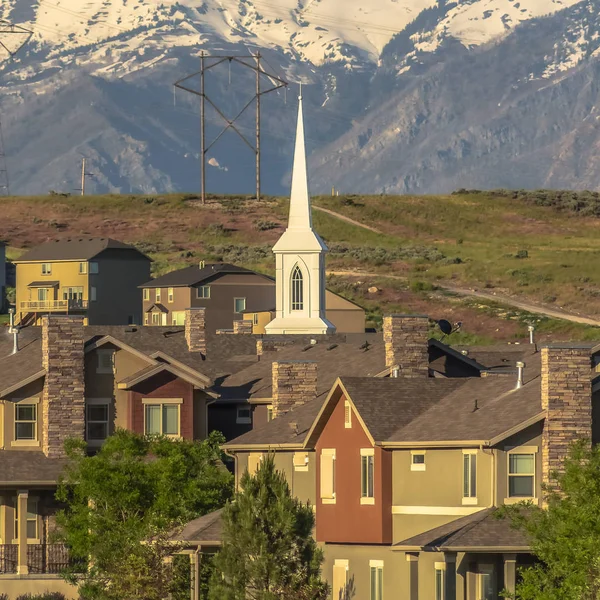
x=265, y=225
x=586, y=203
x=43, y=596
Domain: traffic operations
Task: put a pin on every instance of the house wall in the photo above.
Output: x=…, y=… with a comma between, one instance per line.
x=2, y=277
x=163, y=385
x=345, y=315
x=118, y=299
x=222, y=417
x=371, y=522
x=30, y=394
x=182, y=299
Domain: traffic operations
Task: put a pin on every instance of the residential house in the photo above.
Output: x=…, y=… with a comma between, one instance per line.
x=2, y=276
x=230, y=293
x=406, y=472
x=97, y=278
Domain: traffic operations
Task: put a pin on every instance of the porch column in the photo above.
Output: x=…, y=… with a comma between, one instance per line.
x=195, y=558
x=413, y=575
x=450, y=578
x=21, y=533
x=510, y=572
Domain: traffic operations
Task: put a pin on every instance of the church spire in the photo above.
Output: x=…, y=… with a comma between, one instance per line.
x=300, y=216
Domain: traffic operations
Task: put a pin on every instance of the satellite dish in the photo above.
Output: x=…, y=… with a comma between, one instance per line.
x=445, y=326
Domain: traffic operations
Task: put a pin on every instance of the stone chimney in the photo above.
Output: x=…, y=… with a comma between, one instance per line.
x=63, y=397
x=195, y=329
x=567, y=401
x=244, y=326
x=406, y=346
x=294, y=384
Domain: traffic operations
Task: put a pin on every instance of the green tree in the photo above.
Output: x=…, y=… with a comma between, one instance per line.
x=268, y=550
x=123, y=504
x=564, y=536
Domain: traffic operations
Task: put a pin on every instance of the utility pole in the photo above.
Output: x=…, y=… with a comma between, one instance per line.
x=208, y=62
x=83, y=177
x=4, y=185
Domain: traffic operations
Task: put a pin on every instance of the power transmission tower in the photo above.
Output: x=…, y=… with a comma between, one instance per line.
x=208, y=62
x=12, y=39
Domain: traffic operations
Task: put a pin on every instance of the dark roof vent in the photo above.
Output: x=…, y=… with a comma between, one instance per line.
x=332, y=347
x=306, y=348
x=130, y=329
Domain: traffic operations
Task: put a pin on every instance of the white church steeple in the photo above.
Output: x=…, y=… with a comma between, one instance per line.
x=300, y=258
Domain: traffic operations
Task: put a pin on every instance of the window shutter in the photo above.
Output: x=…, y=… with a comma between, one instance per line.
x=327, y=465
x=340, y=581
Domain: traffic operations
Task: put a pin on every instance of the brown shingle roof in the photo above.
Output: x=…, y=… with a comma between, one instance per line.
x=75, y=249
x=189, y=276
x=203, y=530
x=23, y=467
x=482, y=530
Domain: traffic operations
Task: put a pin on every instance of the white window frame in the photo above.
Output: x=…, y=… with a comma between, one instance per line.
x=205, y=295
x=158, y=294
x=170, y=295
x=83, y=268
x=376, y=567
x=347, y=414
x=46, y=268
x=162, y=402
x=340, y=565
x=243, y=420
x=146, y=293
x=254, y=460
x=510, y=450
x=238, y=312
x=26, y=441
x=300, y=461
x=42, y=292
x=34, y=540
x=94, y=268
x=469, y=497
x=439, y=592
x=255, y=319
x=297, y=289
x=367, y=496
x=417, y=466
x=101, y=367
x=328, y=499
x=97, y=402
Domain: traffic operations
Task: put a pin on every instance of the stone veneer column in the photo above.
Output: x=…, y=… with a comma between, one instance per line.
x=294, y=384
x=244, y=326
x=195, y=329
x=567, y=400
x=63, y=397
x=406, y=344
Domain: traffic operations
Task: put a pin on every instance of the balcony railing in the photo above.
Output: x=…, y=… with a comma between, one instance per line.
x=54, y=305
x=47, y=558
x=8, y=558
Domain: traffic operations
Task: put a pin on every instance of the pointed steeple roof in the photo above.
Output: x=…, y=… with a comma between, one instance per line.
x=299, y=235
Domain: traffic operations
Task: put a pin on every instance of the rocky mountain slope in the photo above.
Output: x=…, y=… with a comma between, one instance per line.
x=424, y=95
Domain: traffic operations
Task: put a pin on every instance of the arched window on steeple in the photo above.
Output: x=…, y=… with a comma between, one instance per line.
x=297, y=289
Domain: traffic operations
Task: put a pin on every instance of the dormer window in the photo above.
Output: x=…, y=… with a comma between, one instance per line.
x=297, y=289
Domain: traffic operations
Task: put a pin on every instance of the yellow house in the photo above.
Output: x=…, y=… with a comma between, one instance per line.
x=94, y=277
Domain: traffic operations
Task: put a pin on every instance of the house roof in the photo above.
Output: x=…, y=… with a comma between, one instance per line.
x=194, y=275
x=38, y=284
x=18, y=467
x=204, y=530
x=83, y=248
x=20, y=367
x=482, y=531
x=159, y=307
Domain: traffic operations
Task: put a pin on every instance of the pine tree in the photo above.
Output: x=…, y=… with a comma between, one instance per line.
x=268, y=550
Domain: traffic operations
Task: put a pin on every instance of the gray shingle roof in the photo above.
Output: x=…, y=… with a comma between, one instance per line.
x=194, y=275
x=23, y=467
x=205, y=529
x=75, y=249
x=483, y=530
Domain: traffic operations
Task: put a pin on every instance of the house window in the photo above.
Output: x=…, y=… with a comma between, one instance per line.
x=340, y=580
x=25, y=421
x=254, y=459
x=178, y=318
x=328, y=476
x=255, y=318
x=147, y=319
x=162, y=417
x=32, y=519
x=269, y=413
x=367, y=475
x=82, y=268
x=93, y=294
x=300, y=461
x=203, y=292
x=42, y=294
x=347, y=415
x=170, y=295
x=146, y=294
x=46, y=268
x=74, y=295
x=439, y=584
x=156, y=318
x=97, y=416
x=239, y=305
x=417, y=461
x=376, y=567
x=244, y=415
x=297, y=289
x=94, y=268
x=158, y=294
x=521, y=475
x=105, y=361
x=469, y=475
x=485, y=583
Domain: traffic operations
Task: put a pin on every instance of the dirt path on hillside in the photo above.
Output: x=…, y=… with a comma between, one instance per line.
x=347, y=219
x=500, y=298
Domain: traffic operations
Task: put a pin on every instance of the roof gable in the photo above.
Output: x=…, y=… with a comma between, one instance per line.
x=75, y=249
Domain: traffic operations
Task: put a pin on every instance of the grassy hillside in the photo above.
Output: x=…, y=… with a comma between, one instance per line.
x=506, y=242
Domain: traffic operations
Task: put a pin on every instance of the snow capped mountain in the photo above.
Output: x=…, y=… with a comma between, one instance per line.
x=396, y=86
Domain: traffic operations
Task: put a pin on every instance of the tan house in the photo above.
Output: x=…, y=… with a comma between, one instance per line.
x=405, y=472
x=231, y=293
x=97, y=278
